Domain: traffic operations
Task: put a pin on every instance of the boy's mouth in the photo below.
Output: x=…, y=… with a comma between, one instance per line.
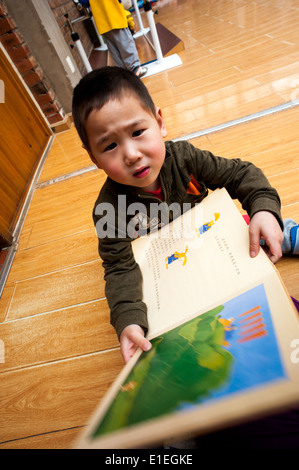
x=142, y=172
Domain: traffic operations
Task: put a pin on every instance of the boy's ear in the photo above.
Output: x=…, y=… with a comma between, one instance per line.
x=161, y=122
x=92, y=158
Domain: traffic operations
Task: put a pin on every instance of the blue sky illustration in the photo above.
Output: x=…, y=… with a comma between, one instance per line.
x=258, y=361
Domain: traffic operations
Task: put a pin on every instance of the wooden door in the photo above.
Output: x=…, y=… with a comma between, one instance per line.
x=24, y=135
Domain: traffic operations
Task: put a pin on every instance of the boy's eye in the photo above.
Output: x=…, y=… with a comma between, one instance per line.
x=137, y=133
x=110, y=147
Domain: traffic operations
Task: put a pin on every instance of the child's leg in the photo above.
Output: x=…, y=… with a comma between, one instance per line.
x=122, y=48
x=290, y=245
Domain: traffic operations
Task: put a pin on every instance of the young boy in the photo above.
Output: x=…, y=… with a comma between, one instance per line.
x=124, y=132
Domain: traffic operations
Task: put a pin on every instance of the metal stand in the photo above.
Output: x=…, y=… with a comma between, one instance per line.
x=161, y=63
x=103, y=46
x=152, y=25
x=78, y=43
x=142, y=31
x=88, y=15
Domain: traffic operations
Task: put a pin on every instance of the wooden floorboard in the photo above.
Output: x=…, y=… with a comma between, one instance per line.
x=61, y=353
x=227, y=45
x=68, y=203
x=57, y=290
x=66, y=156
x=51, y=440
x=42, y=338
x=55, y=396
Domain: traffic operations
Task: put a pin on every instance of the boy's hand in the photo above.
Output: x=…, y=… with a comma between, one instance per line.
x=264, y=225
x=131, y=338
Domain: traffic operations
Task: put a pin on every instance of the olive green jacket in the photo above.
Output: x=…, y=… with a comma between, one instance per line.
x=186, y=176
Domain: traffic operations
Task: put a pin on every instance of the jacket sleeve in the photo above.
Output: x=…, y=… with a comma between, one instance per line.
x=123, y=287
x=242, y=179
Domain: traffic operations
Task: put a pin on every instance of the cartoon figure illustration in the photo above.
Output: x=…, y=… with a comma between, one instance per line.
x=205, y=227
x=176, y=255
x=228, y=324
x=129, y=386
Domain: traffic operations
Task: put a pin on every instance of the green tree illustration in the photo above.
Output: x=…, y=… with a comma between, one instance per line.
x=184, y=366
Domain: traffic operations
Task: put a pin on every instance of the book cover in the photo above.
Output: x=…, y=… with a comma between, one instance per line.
x=223, y=330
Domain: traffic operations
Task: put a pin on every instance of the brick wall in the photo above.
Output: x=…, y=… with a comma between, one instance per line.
x=62, y=7
x=26, y=64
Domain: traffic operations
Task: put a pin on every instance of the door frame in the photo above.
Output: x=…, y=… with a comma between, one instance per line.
x=24, y=89
x=19, y=218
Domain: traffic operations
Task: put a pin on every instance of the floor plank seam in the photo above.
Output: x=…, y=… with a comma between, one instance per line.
x=54, y=241
x=9, y=304
x=42, y=434
x=65, y=177
x=66, y=268
x=290, y=204
x=191, y=136
x=58, y=361
x=283, y=173
x=243, y=120
x=80, y=304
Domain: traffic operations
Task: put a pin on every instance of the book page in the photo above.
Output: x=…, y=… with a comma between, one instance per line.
x=228, y=364
x=224, y=334
x=198, y=258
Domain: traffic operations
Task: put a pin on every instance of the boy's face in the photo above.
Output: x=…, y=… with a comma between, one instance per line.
x=126, y=141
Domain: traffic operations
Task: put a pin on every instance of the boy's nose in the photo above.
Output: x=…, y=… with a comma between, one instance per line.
x=131, y=154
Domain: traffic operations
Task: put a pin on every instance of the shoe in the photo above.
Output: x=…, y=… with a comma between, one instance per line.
x=141, y=71
x=290, y=245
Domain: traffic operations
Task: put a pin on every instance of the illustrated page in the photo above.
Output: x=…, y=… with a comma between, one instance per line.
x=198, y=258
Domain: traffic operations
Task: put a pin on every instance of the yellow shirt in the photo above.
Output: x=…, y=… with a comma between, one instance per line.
x=108, y=15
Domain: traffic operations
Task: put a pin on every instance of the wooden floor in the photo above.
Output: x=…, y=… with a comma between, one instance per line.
x=61, y=354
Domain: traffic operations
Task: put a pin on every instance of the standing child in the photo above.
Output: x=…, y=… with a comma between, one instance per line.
x=112, y=23
x=123, y=132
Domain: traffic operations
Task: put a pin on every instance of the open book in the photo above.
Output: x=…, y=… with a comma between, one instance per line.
x=224, y=333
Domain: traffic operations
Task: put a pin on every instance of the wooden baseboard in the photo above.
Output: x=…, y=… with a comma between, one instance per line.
x=64, y=125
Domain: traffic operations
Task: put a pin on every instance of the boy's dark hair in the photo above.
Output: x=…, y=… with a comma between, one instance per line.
x=102, y=85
